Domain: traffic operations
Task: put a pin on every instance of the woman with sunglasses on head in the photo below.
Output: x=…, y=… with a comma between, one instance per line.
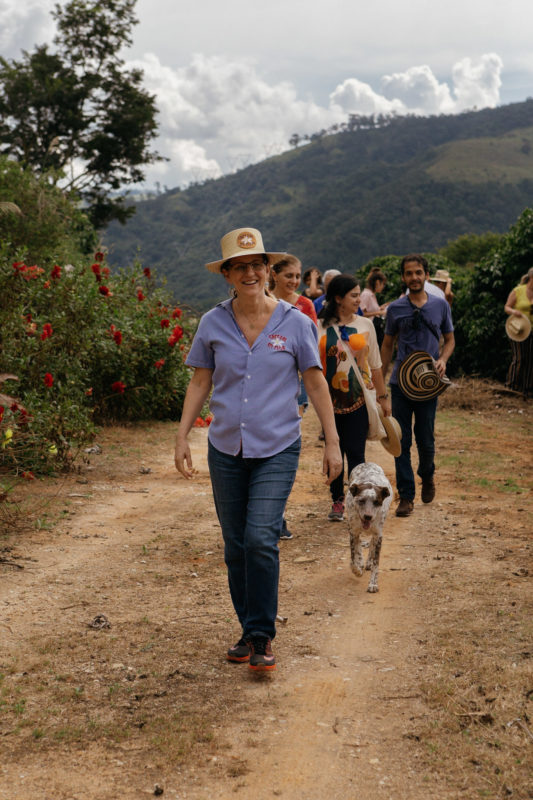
x=249, y=349
x=339, y=320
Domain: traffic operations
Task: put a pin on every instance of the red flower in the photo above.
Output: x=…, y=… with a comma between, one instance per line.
x=46, y=285
x=28, y=317
x=117, y=336
x=105, y=291
x=56, y=272
x=27, y=272
x=47, y=331
x=140, y=296
x=29, y=476
x=118, y=387
x=2, y=409
x=175, y=336
x=14, y=407
x=147, y=273
x=165, y=323
x=209, y=419
x=96, y=268
x=89, y=392
x=176, y=314
x=199, y=423
x=158, y=364
x=98, y=256
x=105, y=271
x=48, y=380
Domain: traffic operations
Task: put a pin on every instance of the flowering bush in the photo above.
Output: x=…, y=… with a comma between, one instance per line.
x=84, y=353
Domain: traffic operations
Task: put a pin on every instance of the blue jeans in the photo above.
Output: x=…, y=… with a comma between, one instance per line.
x=423, y=411
x=250, y=496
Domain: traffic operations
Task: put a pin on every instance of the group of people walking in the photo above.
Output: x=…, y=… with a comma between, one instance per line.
x=261, y=360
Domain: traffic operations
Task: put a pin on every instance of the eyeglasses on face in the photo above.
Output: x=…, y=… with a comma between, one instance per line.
x=257, y=266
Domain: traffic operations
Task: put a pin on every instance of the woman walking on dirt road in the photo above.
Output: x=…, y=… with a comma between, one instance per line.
x=249, y=350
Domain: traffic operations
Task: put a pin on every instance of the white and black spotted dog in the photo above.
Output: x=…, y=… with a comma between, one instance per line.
x=367, y=503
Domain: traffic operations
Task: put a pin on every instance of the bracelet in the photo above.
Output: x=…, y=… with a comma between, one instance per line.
x=382, y=396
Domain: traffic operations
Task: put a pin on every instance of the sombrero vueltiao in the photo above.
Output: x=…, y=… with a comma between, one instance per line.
x=517, y=328
x=418, y=379
x=392, y=442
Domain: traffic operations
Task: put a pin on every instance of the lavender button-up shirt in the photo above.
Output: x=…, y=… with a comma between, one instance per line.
x=255, y=394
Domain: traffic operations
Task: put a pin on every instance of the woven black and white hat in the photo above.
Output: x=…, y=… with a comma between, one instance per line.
x=418, y=379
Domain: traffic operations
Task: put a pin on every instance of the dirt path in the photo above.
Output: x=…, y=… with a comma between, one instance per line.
x=92, y=714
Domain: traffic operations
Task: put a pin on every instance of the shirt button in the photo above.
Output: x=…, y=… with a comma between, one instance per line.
x=248, y=376
x=245, y=399
x=249, y=352
x=243, y=424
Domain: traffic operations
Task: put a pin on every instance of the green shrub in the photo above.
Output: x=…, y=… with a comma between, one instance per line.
x=482, y=346
x=87, y=347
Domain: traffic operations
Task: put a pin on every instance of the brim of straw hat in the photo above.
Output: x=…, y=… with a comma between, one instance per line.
x=418, y=379
x=392, y=442
x=517, y=328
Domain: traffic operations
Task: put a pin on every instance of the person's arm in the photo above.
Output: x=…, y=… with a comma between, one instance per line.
x=369, y=314
x=447, y=350
x=381, y=391
x=197, y=393
x=509, y=307
x=314, y=290
x=318, y=392
x=387, y=347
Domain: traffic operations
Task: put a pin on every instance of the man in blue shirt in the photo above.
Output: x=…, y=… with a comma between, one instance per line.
x=416, y=321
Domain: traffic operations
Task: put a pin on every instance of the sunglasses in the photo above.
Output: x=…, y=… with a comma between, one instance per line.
x=257, y=266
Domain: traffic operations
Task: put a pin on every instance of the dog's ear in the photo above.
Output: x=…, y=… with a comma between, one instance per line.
x=384, y=492
x=354, y=489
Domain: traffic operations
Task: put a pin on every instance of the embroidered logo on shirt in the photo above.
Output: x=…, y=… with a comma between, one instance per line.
x=277, y=342
x=246, y=240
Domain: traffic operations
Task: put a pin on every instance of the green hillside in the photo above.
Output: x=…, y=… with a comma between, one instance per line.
x=343, y=199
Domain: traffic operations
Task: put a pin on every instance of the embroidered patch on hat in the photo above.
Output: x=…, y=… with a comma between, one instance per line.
x=246, y=240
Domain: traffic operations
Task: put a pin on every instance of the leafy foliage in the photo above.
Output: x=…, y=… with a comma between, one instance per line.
x=482, y=345
x=78, y=111
x=49, y=227
x=87, y=347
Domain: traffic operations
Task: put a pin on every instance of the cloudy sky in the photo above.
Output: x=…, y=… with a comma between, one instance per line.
x=234, y=80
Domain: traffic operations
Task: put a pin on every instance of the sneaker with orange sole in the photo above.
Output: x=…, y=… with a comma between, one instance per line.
x=261, y=655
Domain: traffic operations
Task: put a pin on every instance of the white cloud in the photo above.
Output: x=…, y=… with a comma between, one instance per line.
x=419, y=90
x=232, y=115
x=355, y=96
x=477, y=84
x=219, y=114
x=24, y=22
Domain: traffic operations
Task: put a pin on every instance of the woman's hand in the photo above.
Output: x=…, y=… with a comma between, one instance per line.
x=183, y=458
x=386, y=407
x=332, y=463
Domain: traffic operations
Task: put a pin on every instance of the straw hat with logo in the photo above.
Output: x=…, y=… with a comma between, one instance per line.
x=517, y=328
x=241, y=242
x=441, y=276
x=418, y=378
x=392, y=441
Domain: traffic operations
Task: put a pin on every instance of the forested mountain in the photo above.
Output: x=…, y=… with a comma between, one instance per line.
x=413, y=184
